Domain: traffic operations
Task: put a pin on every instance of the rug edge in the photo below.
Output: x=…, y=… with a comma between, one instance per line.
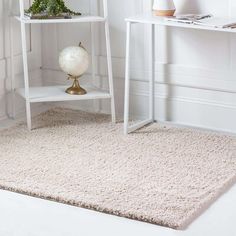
x=88, y=207
x=205, y=206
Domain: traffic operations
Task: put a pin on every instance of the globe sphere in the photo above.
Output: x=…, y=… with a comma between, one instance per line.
x=74, y=60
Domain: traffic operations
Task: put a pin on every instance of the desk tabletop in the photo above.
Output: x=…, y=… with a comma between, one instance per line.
x=149, y=18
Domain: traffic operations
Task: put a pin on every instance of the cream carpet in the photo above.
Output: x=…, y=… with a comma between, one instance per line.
x=160, y=174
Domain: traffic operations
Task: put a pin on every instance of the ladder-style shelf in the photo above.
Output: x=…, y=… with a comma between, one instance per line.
x=57, y=93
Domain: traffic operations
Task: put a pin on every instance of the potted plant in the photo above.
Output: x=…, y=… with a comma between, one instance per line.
x=43, y=9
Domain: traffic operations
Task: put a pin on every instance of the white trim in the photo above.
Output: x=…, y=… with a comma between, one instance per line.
x=20, y=117
x=142, y=90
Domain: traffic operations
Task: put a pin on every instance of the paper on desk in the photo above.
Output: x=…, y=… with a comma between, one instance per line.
x=188, y=18
x=217, y=22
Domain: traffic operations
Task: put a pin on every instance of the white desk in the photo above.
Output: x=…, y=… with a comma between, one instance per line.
x=151, y=20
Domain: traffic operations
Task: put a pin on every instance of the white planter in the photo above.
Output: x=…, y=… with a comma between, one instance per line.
x=164, y=7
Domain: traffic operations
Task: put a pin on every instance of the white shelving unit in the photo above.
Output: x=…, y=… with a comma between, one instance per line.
x=57, y=93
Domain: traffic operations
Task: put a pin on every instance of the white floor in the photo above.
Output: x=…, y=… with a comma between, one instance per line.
x=27, y=216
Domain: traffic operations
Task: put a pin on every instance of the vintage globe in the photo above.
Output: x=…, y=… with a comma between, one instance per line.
x=74, y=61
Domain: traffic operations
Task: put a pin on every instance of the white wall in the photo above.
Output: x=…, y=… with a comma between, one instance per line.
x=192, y=59
x=34, y=53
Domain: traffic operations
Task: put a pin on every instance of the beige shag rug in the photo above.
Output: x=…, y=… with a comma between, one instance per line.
x=160, y=174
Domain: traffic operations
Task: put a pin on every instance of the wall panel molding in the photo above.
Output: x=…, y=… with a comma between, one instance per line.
x=7, y=8
x=188, y=85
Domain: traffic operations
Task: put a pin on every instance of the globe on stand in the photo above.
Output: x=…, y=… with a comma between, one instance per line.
x=75, y=62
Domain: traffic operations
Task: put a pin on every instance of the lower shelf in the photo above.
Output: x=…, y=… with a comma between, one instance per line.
x=57, y=94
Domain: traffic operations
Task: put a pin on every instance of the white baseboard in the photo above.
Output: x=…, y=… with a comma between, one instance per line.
x=6, y=122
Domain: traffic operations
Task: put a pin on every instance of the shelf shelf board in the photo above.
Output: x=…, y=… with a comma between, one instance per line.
x=78, y=19
x=57, y=94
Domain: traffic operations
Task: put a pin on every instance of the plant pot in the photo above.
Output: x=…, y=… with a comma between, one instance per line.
x=164, y=7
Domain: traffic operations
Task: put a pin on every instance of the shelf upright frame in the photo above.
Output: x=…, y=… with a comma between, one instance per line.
x=27, y=95
x=109, y=61
x=25, y=66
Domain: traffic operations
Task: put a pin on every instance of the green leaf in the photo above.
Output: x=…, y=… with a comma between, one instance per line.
x=50, y=7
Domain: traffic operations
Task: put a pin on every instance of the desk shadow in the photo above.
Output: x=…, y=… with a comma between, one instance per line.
x=160, y=129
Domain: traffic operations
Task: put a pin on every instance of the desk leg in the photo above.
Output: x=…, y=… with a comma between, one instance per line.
x=26, y=75
x=110, y=72
x=127, y=79
x=152, y=75
x=127, y=128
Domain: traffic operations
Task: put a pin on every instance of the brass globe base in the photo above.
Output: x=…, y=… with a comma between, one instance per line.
x=75, y=89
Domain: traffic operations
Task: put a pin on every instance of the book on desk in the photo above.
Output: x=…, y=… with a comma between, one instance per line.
x=207, y=20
